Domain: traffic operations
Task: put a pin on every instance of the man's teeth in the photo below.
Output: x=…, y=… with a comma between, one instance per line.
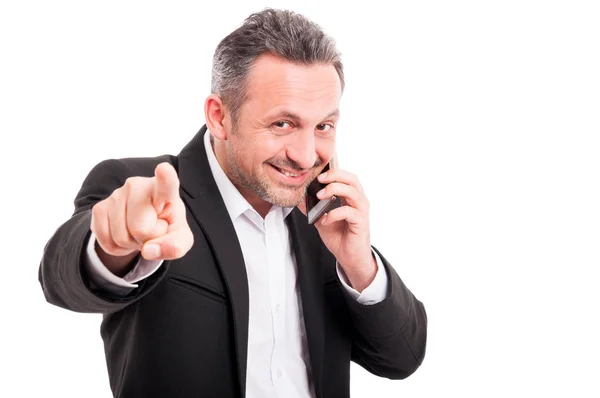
x=289, y=174
x=286, y=173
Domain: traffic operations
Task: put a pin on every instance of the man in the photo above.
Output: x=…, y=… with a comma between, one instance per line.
x=210, y=279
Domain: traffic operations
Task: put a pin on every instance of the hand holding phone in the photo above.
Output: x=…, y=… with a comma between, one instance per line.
x=345, y=229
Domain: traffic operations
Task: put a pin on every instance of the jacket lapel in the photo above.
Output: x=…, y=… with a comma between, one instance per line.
x=307, y=246
x=206, y=204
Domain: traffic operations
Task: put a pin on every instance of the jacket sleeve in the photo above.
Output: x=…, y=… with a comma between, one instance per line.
x=61, y=273
x=389, y=337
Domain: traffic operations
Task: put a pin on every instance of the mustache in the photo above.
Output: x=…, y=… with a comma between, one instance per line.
x=289, y=164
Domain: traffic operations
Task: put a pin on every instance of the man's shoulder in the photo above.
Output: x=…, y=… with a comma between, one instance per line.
x=111, y=174
x=134, y=166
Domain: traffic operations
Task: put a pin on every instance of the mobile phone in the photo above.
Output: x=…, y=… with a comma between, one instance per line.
x=316, y=207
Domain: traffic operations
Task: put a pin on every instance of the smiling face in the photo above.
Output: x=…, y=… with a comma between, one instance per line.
x=285, y=132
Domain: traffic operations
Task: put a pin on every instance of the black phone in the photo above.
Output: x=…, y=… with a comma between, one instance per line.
x=316, y=207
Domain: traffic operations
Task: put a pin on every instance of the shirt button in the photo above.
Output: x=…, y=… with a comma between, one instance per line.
x=277, y=308
x=279, y=373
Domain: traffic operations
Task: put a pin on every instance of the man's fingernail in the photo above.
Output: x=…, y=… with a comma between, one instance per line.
x=322, y=176
x=323, y=219
x=153, y=250
x=320, y=194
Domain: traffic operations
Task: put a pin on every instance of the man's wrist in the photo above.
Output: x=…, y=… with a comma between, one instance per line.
x=117, y=265
x=361, y=278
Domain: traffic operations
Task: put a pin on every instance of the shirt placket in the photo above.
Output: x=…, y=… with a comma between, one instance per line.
x=276, y=267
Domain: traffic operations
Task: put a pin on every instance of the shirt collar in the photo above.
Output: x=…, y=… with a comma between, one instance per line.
x=235, y=203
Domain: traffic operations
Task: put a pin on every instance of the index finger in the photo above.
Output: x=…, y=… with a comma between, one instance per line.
x=342, y=176
x=166, y=187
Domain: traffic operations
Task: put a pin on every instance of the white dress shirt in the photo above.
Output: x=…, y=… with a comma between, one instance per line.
x=278, y=363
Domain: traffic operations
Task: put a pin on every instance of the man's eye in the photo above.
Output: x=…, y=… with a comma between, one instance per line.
x=324, y=127
x=282, y=124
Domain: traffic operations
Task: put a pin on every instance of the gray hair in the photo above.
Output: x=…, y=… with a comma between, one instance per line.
x=281, y=33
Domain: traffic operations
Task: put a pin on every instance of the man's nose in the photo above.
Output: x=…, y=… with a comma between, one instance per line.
x=302, y=150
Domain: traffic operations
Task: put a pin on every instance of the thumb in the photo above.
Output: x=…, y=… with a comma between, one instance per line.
x=171, y=246
x=166, y=186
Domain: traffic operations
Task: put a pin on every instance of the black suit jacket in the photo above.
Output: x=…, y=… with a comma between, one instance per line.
x=184, y=331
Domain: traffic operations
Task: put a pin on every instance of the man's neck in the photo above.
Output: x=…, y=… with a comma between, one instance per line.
x=262, y=207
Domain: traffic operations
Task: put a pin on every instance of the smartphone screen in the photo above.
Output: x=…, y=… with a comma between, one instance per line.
x=316, y=207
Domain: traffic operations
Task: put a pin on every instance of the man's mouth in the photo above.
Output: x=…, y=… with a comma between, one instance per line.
x=288, y=173
x=294, y=176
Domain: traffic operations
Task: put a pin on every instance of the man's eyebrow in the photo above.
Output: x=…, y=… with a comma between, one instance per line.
x=287, y=114
x=332, y=114
x=291, y=115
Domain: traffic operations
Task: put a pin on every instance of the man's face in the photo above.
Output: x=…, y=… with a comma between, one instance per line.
x=286, y=129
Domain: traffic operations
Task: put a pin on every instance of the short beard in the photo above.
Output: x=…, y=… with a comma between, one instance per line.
x=261, y=186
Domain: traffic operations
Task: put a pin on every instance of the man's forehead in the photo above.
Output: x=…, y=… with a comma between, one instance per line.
x=295, y=105
x=272, y=75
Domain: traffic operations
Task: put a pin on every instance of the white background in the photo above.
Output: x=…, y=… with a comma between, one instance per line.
x=473, y=125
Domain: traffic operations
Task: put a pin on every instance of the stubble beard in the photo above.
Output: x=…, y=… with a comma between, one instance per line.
x=262, y=185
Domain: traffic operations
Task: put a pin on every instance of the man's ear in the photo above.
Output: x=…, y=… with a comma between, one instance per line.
x=218, y=117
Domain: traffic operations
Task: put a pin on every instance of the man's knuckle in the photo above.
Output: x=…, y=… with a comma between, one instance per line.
x=116, y=195
x=112, y=201
x=131, y=182
x=98, y=210
x=121, y=239
x=137, y=231
x=107, y=245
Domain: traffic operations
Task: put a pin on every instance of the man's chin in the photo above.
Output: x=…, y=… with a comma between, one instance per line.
x=284, y=199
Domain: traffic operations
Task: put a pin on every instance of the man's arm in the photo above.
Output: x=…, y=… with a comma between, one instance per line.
x=102, y=279
x=389, y=336
x=62, y=274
